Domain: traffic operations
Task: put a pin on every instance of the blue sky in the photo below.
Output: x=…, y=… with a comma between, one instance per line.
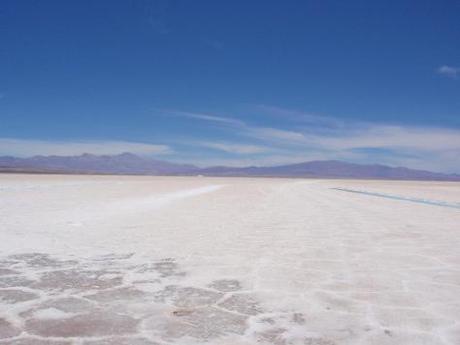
x=233, y=82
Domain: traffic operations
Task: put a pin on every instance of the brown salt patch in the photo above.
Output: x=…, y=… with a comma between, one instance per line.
x=272, y=336
x=34, y=341
x=226, y=285
x=7, y=330
x=16, y=296
x=318, y=341
x=147, y=281
x=121, y=341
x=182, y=312
x=114, y=257
x=268, y=320
x=7, y=271
x=204, y=323
x=336, y=303
x=120, y=294
x=186, y=297
x=166, y=268
x=76, y=279
x=14, y=281
x=66, y=305
x=4, y=262
x=87, y=325
x=41, y=260
x=242, y=303
x=298, y=318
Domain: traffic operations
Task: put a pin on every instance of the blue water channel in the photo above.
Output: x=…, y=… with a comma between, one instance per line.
x=403, y=198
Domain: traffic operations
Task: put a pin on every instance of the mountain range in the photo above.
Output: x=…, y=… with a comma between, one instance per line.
x=128, y=163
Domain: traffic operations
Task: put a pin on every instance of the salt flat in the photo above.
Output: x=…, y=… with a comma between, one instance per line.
x=189, y=260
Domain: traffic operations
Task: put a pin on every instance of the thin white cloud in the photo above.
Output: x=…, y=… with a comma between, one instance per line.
x=27, y=148
x=383, y=136
x=211, y=118
x=300, y=116
x=411, y=146
x=235, y=148
x=449, y=71
x=446, y=161
x=244, y=128
x=270, y=134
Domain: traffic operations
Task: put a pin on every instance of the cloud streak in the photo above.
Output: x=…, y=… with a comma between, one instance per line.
x=329, y=138
x=27, y=148
x=449, y=71
x=243, y=143
x=301, y=116
x=210, y=118
x=235, y=148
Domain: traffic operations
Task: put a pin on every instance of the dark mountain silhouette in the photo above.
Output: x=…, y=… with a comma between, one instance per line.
x=128, y=163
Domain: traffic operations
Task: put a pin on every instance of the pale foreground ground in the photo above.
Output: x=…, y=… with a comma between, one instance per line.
x=171, y=260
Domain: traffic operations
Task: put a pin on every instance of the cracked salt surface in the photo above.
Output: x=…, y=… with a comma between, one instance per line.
x=226, y=261
x=68, y=304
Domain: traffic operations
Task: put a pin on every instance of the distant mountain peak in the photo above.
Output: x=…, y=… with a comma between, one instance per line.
x=127, y=155
x=129, y=163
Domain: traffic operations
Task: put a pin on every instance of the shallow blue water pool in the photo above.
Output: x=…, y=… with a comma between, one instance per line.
x=403, y=198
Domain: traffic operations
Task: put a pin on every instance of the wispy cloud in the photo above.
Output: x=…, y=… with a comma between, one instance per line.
x=244, y=128
x=274, y=134
x=301, y=116
x=235, y=148
x=243, y=143
x=27, y=148
x=449, y=71
x=206, y=117
x=384, y=136
x=403, y=145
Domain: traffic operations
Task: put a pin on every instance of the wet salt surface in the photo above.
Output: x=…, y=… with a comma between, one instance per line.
x=46, y=300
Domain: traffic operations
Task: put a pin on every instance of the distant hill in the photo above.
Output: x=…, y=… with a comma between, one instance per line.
x=333, y=169
x=127, y=163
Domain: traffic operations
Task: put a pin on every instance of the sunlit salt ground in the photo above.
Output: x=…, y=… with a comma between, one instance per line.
x=168, y=260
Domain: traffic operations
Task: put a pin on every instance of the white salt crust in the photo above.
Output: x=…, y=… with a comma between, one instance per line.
x=156, y=260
